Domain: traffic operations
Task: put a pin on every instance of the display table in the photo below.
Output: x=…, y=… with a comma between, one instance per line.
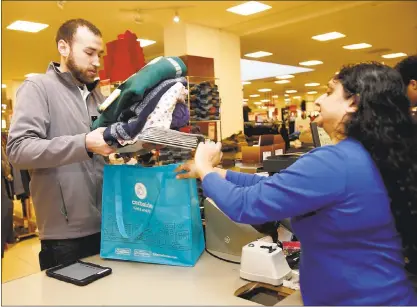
x=210, y=282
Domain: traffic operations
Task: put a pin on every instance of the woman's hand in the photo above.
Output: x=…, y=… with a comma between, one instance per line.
x=209, y=152
x=189, y=169
x=207, y=155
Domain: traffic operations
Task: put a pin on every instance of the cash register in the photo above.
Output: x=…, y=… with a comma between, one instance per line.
x=275, y=164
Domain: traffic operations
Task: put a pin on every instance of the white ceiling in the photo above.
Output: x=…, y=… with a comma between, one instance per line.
x=285, y=30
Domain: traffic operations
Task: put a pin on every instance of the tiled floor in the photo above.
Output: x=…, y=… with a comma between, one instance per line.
x=21, y=259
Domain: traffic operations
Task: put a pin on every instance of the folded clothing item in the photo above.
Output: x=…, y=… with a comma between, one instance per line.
x=180, y=116
x=174, y=154
x=134, y=88
x=166, y=137
x=125, y=131
x=204, y=101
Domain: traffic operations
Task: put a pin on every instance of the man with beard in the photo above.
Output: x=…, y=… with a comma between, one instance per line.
x=50, y=135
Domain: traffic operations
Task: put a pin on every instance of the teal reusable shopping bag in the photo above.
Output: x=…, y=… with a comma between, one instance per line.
x=150, y=216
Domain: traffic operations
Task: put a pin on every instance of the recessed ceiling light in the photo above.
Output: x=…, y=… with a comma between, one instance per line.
x=263, y=90
x=254, y=95
x=3, y=85
x=296, y=97
x=275, y=96
x=31, y=74
x=265, y=100
x=311, y=63
x=257, y=103
x=285, y=77
x=264, y=108
x=145, y=42
x=291, y=91
x=245, y=82
x=312, y=92
x=287, y=99
x=258, y=54
x=286, y=95
x=394, y=55
x=282, y=81
x=357, y=46
x=312, y=84
x=249, y=8
x=245, y=99
x=328, y=36
x=27, y=26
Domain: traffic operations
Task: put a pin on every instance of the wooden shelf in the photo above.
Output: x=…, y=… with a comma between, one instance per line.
x=205, y=121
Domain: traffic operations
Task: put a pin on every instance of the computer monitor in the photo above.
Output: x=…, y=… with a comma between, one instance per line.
x=320, y=137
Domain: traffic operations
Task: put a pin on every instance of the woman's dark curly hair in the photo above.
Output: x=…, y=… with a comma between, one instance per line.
x=383, y=125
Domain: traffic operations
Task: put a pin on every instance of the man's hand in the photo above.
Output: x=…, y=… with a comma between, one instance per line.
x=94, y=142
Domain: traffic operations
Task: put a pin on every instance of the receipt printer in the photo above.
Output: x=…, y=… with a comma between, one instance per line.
x=264, y=262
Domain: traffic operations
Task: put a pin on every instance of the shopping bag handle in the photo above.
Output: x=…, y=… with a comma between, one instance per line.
x=119, y=209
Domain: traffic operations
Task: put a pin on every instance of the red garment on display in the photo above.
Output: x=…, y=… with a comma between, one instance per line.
x=124, y=58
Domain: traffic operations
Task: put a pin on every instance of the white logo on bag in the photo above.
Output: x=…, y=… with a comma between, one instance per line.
x=140, y=190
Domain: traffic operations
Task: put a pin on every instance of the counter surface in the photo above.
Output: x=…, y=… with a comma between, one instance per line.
x=210, y=282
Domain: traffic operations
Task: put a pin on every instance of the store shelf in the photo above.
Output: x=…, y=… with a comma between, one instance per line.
x=205, y=121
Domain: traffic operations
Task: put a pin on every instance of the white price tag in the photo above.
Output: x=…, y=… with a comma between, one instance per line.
x=266, y=154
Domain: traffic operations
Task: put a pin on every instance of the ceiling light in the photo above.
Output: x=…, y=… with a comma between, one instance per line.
x=3, y=106
x=27, y=26
x=394, y=55
x=245, y=82
x=282, y=81
x=286, y=95
x=296, y=97
x=311, y=63
x=257, y=103
x=328, y=36
x=145, y=42
x=263, y=90
x=287, y=99
x=249, y=8
x=312, y=92
x=3, y=85
x=255, y=95
x=258, y=54
x=265, y=100
x=312, y=84
x=357, y=46
x=244, y=100
x=31, y=74
x=291, y=91
x=176, y=18
x=264, y=108
x=285, y=77
x=275, y=96
x=254, y=69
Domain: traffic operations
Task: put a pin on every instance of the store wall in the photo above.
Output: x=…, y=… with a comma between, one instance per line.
x=224, y=48
x=11, y=89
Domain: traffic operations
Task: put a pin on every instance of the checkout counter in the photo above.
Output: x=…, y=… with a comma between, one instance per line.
x=214, y=280
x=210, y=282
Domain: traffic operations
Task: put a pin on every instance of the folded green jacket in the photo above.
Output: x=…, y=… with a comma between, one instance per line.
x=137, y=86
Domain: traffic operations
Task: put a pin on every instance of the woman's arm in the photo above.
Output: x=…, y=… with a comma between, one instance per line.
x=314, y=181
